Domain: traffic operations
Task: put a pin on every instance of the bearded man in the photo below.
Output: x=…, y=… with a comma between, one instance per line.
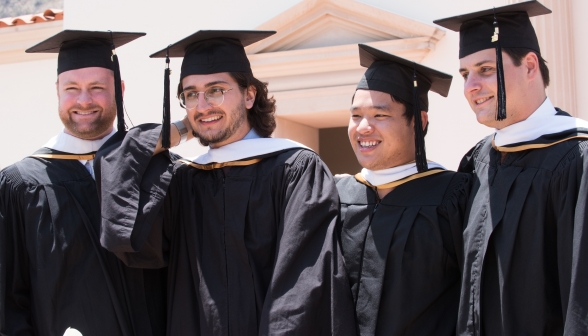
x=54, y=273
x=247, y=229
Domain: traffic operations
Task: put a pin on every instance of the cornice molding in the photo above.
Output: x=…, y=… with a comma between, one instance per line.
x=15, y=40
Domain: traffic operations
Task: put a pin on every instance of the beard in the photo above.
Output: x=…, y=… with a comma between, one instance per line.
x=240, y=114
x=93, y=129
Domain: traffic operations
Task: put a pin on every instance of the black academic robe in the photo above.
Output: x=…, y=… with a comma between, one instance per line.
x=403, y=253
x=53, y=272
x=526, y=243
x=251, y=249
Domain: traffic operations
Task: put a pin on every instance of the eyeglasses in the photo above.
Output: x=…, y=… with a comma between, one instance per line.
x=214, y=96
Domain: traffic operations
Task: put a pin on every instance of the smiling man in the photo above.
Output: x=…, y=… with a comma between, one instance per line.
x=54, y=273
x=526, y=241
x=247, y=229
x=402, y=220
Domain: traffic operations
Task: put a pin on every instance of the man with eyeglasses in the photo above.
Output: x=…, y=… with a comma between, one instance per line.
x=54, y=275
x=247, y=229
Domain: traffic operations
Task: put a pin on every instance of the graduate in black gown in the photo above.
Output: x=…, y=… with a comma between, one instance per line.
x=247, y=229
x=54, y=274
x=526, y=243
x=402, y=216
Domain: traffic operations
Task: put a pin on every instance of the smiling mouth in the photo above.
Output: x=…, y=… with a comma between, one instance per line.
x=85, y=112
x=482, y=100
x=211, y=119
x=368, y=144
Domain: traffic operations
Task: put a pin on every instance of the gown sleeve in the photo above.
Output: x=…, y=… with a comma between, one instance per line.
x=309, y=293
x=132, y=184
x=569, y=203
x=15, y=300
x=453, y=214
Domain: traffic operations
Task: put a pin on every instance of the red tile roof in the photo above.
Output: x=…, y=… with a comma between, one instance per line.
x=46, y=16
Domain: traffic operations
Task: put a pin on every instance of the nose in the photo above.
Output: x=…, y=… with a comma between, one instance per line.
x=203, y=105
x=471, y=84
x=364, y=127
x=85, y=97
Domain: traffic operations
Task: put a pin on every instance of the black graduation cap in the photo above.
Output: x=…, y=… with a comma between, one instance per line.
x=406, y=80
x=83, y=49
x=501, y=27
x=206, y=52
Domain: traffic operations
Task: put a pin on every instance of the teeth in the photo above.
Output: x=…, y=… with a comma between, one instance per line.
x=211, y=119
x=480, y=101
x=368, y=143
x=84, y=113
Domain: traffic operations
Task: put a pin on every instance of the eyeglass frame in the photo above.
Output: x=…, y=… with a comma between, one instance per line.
x=205, y=98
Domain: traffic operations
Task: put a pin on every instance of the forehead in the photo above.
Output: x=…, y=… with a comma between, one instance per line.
x=92, y=74
x=477, y=58
x=368, y=98
x=204, y=80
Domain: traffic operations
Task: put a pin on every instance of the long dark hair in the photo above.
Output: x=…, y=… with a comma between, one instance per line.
x=261, y=115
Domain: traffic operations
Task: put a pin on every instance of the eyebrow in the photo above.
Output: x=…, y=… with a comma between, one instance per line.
x=70, y=82
x=375, y=107
x=192, y=87
x=476, y=65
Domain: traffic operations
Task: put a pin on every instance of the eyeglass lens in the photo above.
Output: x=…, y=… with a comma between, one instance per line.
x=213, y=96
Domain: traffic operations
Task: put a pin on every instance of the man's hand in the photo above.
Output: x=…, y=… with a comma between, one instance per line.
x=174, y=136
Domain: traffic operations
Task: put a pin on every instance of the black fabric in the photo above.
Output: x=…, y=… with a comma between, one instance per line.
x=213, y=56
x=54, y=273
x=525, y=269
x=251, y=250
x=515, y=29
x=404, y=253
x=396, y=80
x=84, y=54
x=214, y=51
x=83, y=49
x=394, y=75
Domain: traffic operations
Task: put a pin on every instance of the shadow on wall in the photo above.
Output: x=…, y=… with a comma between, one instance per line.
x=336, y=151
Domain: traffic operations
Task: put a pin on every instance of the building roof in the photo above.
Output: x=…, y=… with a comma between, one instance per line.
x=47, y=16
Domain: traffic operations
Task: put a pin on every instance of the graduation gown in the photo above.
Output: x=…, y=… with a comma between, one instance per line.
x=403, y=253
x=526, y=243
x=53, y=272
x=251, y=249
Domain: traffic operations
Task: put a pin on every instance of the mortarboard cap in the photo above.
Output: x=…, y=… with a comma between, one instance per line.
x=406, y=80
x=214, y=51
x=84, y=49
x=207, y=52
x=501, y=27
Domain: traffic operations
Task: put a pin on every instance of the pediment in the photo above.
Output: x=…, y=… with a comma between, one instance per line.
x=326, y=23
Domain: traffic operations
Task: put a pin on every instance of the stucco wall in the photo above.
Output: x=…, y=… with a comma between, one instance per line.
x=453, y=126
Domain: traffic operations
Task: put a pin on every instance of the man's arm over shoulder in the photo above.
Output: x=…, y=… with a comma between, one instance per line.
x=132, y=184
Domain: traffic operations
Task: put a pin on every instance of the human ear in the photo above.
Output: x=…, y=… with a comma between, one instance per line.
x=531, y=62
x=250, y=96
x=424, y=119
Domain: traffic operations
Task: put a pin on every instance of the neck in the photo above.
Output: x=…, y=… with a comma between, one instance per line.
x=237, y=136
x=101, y=136
x=532, y=103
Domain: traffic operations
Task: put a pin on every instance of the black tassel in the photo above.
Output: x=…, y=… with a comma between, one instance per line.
x=120, y=113
x=419, y=137
x=501, y=107
x=165, y=136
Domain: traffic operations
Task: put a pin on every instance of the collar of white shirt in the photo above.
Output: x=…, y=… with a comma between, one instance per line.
x=542, y=122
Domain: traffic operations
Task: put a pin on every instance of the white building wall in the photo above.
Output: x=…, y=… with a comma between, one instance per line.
x=28, y=123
